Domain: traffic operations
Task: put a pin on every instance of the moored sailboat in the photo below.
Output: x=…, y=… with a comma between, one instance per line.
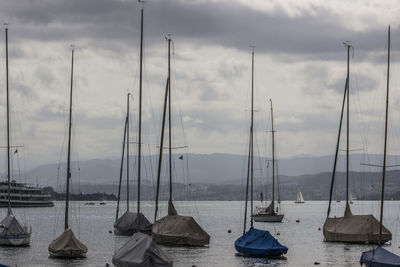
x=255, y=242
x=174, y=229
x=270, y=213
x=132, y=222
x=299, y=197
x=350, y=228
x=67, y=245
x=12, y=233
x=380, y=257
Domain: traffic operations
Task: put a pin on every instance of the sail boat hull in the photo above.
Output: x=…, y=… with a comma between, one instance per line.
x=362, y=229
x=15, y=240
x=259, y=243
x=268, y=217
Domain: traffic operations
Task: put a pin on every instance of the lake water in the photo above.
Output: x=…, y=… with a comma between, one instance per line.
x=304, y=240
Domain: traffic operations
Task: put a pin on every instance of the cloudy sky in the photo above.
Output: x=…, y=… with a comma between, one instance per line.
x=300, y=62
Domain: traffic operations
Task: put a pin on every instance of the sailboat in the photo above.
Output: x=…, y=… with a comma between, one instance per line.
x=67, y=245
x=350, y=228
x=351, y=198
x=299, y=197
x=269, y=214
x=380, y=257
x=174, y=229
x=255, y=242
x=12, y=233
x=132, y=222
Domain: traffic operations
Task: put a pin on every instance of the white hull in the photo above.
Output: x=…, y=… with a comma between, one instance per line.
x=20, y=240
x=268, y=217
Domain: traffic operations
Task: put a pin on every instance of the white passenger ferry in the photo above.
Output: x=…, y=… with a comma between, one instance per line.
x=24, y=195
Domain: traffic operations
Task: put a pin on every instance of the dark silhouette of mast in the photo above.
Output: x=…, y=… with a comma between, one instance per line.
x=273, y=157
x=9, y=212
x=384, y=148
x=347, y=44
x=169, y=121
x=339, y=134
x=127, y=152
x=140, y=107
x=69, y=144
x=121, y=168
x=167, y=87
x=250, y=157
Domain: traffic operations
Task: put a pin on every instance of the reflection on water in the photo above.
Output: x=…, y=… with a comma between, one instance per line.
x=304, y=239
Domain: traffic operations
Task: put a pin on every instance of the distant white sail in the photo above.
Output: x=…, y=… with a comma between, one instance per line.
x=299, y=198
x=350, y=198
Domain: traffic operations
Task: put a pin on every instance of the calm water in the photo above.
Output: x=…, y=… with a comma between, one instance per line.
x=304, y=240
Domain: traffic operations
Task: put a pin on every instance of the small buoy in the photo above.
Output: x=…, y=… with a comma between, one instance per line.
x=319, y=228
x=278, y=233
x=297, y=220
x=110, y=231
x=229, y=230
x=316, y=263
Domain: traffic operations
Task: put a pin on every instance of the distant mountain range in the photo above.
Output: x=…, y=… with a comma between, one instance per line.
x=212, y=168
x=221, y=176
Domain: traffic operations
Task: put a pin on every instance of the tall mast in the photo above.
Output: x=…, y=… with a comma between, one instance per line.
x=273, y=155
x=338, y=141
x=347, y=43
x=127, y=152
x=121, y=168
x=384, y=148
x=252, y=135
x=9, y=212
x=140, y=107
x=169, y=120
x=69, y=143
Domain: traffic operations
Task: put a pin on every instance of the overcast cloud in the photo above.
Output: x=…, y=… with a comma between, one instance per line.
x=300, y=63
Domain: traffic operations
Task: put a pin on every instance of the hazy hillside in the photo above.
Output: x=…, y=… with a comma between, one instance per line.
x=213, y=168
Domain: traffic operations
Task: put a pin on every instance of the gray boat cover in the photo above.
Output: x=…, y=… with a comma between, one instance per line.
x=67, y=245
x=354, y=229
x=140, y=250
x=10, y=226
x=177, y=230
x=132, y=222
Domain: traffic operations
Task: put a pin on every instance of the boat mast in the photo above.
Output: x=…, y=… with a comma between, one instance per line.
x=9, y=212
x=162, y=137
x=384, y=148
x=250, y=156
x=127, y=152
x=69, y=142
x=338, y=140
x=273, y=156
x=140, y=106
x=347, y=44
x=252, y=135
x=121, y=168
x=169, y=121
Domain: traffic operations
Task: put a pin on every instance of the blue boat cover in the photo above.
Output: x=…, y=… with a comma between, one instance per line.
x=259, y=243
x=379, y=257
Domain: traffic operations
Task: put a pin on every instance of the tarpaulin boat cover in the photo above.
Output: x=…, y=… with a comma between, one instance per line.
x=379, y=257
x=67, y=245
x=10, y=226
x=354, y=229
x=259, y=243
x=140, y=250
x=177, y=230
x=132, y=222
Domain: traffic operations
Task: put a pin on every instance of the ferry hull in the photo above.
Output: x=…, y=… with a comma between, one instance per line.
x=4, y=204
